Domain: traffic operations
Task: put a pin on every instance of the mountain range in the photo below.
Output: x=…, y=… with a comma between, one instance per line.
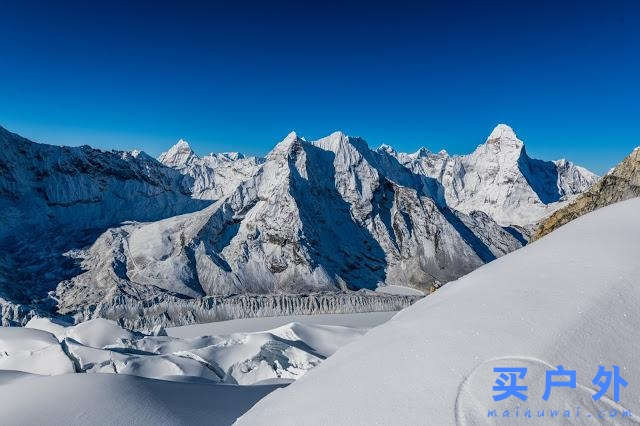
x=91, y=233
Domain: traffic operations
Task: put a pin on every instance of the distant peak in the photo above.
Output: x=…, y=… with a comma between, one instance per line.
x=386, y=148
x=179, y=154
x=502, y=131
x=182, y=144
x=422, y=152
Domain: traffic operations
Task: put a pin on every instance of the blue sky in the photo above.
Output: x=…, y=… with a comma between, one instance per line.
x=565, y=77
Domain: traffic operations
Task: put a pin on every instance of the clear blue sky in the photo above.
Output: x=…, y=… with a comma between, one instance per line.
x=441, y=74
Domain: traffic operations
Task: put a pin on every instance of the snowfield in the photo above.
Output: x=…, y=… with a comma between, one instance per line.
x=113, y=399
x=201, y=374
x=569, y=299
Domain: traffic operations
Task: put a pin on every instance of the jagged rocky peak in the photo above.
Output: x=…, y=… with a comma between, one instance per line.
x=178, y=155
x=502, y=131
x=339, y=141
x=228, y=156
x=424, y=152
x=285, y=146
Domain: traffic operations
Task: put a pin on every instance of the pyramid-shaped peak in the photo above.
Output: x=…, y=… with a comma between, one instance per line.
x=182, y=144
x=502, y=131
x=339, y=141
x=178, y=155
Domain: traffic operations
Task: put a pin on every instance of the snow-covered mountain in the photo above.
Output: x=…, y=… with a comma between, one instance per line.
x=500, y=179
x=330, y=215
x=569, y=299
x=55, y=199
x=621, y=183
x=213, y=176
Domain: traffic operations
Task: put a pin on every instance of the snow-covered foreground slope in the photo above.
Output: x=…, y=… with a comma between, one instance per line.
x=110, y=399
x=569, y=299
x=201, y=372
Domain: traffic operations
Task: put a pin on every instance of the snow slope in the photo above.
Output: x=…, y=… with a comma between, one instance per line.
x=110, y=399
x=571, y=299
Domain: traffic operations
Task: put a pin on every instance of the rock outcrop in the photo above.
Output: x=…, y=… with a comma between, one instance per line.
x=621, y=183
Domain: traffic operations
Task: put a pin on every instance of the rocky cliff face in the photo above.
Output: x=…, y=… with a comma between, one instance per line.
x=621, y=183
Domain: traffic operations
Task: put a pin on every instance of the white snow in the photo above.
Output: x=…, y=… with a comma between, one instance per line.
x=110, y=399
x=569, y=299
x=281, y=354
x=212, y=176
x=200, y=372
x=32, y=351
x=501, y=180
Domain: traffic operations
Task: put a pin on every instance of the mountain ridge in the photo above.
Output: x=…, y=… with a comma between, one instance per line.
x=329, y=215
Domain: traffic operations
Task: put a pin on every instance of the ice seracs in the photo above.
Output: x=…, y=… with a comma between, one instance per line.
x=282, y=354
